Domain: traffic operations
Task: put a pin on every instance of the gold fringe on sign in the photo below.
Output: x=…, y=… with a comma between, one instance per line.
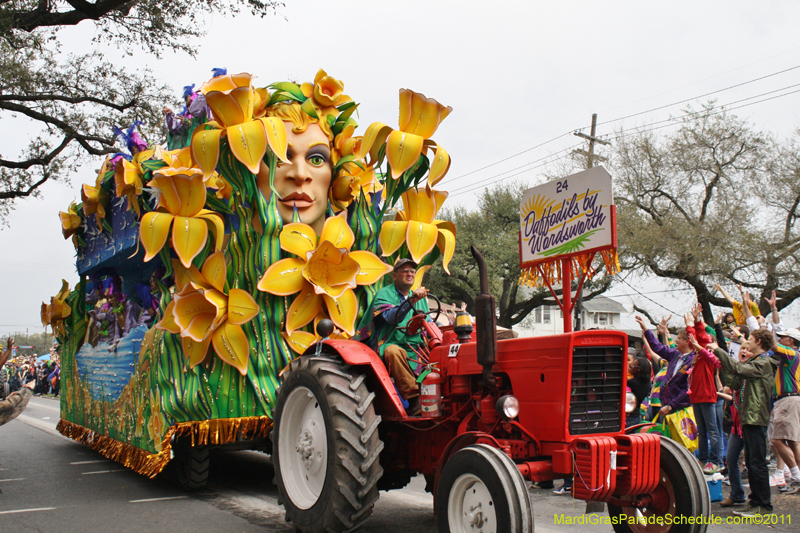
x=204, y=432
x=549, y=272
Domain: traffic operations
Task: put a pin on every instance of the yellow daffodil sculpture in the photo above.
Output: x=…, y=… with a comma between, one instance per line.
x=417, y=228
x=419, y=119
x=233, y=100
x=182, y=195
x=202, y=313
x=54, y=313
x=324, y=96
x=71, y=222
x=95, y=201
x=323, y=273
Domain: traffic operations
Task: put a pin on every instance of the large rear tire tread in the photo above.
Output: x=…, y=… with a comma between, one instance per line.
x=192, y=466
x=701, y=487
x=353, y=469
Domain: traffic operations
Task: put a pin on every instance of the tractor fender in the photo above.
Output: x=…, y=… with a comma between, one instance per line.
x=461, y=441
x=355, y=353
x=639, y=428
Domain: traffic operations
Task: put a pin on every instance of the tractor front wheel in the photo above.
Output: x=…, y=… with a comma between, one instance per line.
x=481, y=489
x=326, y=446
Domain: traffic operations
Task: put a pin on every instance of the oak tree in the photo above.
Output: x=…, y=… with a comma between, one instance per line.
x=68, y=104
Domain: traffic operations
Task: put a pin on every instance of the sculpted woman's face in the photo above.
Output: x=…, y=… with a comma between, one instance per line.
x=303, y=182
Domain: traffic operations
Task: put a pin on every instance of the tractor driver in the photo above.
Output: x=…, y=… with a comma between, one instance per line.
x=391, y=310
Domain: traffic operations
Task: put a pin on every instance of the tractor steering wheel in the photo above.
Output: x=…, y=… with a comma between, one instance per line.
x=415, y=324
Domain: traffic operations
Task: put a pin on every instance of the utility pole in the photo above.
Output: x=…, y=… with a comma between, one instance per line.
x=590, y=159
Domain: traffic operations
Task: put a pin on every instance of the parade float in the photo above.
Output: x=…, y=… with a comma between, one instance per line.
x=224, y=293
x=204, y=268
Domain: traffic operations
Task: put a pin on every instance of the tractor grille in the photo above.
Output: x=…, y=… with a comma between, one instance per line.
x=597, y=375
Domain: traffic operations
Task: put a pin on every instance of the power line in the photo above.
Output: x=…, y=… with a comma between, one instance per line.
x=723, y=109
x=519, y=167
x=473, y=187
x=700, y=81
x=701, y=96
x=509, y=157
x=623, y=133
x=649, y=292
x=648, y=298
x=642, y=128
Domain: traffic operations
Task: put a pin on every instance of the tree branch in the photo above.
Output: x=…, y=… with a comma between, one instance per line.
x=41, y=161
x=647, y=315
x=67, y=99
x=44, y=16
x=5, y=195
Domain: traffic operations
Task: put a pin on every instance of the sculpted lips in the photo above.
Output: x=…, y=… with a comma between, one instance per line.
x=297, y=199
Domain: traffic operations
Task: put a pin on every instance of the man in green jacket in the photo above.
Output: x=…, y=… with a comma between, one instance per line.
x=755, y=369
x=391, y=310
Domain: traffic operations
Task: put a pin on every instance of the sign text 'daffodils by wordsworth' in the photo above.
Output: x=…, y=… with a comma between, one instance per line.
x=566, y=216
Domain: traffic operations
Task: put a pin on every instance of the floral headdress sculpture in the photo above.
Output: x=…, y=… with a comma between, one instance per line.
x=246, y=277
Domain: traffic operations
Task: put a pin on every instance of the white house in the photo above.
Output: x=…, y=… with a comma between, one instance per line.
x=600, y=312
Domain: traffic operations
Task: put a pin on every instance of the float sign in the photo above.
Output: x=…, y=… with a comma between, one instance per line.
x=565, y=217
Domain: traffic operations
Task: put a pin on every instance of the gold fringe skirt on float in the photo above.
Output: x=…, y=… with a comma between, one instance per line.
x=217, y=431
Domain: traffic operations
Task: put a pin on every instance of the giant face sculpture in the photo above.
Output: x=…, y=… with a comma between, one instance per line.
x=303, y=182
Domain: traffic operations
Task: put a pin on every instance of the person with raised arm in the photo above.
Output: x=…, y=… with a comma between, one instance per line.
x=674, y=394
x=755, y=372
x=738, y=307
x=703, y=394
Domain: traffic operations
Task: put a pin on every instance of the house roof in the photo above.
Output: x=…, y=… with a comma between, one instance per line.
x=603, y=304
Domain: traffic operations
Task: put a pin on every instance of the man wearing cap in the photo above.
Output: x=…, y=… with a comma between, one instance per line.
x=391, y=311
x=786, y=411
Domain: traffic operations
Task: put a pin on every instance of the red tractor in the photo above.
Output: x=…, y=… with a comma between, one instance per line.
x=517, y=410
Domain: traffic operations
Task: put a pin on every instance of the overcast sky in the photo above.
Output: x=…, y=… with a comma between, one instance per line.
x=517, y=74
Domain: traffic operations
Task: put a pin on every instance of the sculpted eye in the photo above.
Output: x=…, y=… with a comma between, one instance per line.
x=317, y=160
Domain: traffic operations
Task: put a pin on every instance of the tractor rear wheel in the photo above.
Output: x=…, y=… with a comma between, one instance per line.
x=481, y=489
x=326, y=446
x=681, y=493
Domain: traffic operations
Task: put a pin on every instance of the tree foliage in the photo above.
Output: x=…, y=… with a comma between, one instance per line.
x=712, y=202
x=493, y=229
x=70, y=103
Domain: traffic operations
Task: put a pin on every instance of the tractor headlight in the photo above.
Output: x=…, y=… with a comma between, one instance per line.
x=508, y=407
x=630, y=402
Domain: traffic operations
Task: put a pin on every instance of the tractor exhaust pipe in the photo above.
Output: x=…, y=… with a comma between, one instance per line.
x=485, y=323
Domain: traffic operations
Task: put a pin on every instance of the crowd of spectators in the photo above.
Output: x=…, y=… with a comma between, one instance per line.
x=739, y=379
x=20, y=370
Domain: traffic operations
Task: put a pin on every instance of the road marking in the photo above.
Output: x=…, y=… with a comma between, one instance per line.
x=45, y=418
x=89, y=462
x=28, y=510
x=159, y=499
x=47, y=406
x=48, y=427
x=103, y=472
x=14, y=479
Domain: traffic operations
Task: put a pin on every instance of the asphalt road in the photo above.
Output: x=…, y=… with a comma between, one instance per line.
x=51, y=484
